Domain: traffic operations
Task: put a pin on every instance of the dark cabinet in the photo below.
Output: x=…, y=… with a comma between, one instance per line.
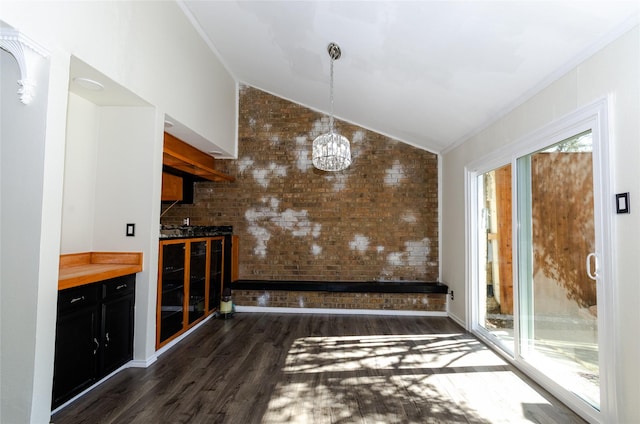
x=75, y=366
x=94, y=334
x=117, y=324
x=190, y=279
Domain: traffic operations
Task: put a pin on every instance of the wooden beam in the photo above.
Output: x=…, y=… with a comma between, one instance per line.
x=184, y=157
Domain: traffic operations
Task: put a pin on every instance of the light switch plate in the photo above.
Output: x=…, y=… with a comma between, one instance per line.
x=622, y=203
x=131, y=230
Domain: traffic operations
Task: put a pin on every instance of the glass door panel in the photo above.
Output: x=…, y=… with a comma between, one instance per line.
x=197, y=280
x=172, y=290
x=495, y=271
x=558, y=301
x=215, y=272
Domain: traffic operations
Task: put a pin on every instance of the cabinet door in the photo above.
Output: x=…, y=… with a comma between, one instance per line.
x=171, y=187
x=171, y=291
x=197, y=279
x=77, y=347
x=216, y=260
x=117, y=329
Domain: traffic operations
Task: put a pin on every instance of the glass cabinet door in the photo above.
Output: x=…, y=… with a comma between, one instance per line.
x=190, y=279
x=216, y=257
x=197, y=280
x=172, y=290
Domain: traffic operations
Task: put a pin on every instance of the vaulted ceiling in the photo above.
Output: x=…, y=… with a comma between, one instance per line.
x=429, y=73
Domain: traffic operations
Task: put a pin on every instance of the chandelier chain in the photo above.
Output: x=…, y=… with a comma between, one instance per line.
x=331, y=97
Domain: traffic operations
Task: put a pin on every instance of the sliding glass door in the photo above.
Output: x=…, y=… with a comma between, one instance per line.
x=556, y=240
x=495, y=268
x=538, y=227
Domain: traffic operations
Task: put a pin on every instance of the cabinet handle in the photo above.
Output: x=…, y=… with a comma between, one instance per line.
x=77, y=299
x=121, y=286
x=97, y=346
x=106, y=337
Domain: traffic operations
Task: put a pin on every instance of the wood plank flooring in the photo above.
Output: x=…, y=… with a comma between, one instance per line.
x=298, y=368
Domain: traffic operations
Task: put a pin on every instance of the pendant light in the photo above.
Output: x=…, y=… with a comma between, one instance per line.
x=331, y=151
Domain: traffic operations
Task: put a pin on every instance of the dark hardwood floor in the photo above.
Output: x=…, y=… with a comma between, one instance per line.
x=290, y=368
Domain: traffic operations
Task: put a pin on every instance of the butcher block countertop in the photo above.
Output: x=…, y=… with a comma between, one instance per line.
x=77, y=269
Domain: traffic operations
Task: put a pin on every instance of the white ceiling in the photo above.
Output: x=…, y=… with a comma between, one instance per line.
x=429, y=73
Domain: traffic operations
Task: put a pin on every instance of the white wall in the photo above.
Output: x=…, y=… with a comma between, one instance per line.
x=32, y=151
x=152, y=50
x=81, y=160
x=613, y=72
x=148, y=47
x=18, y=281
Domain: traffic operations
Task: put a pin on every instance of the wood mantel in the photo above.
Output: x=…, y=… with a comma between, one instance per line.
x=77, y=269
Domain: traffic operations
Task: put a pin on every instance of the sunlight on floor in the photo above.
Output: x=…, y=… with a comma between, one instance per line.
x=431, y=378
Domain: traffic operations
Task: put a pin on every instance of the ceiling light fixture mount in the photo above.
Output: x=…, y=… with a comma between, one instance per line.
x=331, y=151
x=89, y=84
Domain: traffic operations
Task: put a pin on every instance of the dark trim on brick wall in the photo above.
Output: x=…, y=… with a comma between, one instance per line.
x=342, y=286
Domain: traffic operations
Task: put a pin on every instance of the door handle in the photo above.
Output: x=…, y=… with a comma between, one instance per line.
x=97, y=346
x=593, y=275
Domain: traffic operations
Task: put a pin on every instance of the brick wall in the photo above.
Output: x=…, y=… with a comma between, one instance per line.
x=377, y=220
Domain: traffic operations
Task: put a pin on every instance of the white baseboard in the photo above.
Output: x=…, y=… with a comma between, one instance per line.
x=143, y=363
x=177, y=340
x=458, y=321
x=84, y=392
x=331, y=311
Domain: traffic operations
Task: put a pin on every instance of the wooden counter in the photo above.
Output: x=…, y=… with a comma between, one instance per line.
x=77, y=269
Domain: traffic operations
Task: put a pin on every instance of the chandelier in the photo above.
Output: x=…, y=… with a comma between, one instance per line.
x=331, y=151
